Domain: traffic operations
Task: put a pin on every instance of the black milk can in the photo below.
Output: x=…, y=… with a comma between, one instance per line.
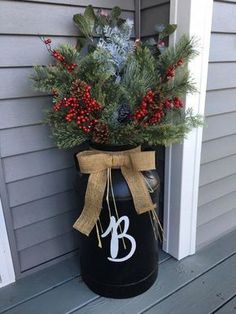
x=119, y=259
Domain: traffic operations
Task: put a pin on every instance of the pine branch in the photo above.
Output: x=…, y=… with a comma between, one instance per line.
x=184, y=49
x=66, y=135
x=139, y=74
x=179, y=86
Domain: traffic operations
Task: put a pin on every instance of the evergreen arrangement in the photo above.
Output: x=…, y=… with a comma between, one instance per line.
x=110, y=89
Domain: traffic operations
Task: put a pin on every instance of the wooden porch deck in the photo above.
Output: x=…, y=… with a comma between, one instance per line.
x=203, y=283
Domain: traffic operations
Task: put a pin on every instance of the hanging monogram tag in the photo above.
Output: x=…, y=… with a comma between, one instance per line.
x=116, y=237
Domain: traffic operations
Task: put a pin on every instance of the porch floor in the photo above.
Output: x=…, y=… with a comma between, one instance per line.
x=203, y=283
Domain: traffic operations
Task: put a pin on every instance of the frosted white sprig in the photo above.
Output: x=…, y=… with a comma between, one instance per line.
x=117, y=43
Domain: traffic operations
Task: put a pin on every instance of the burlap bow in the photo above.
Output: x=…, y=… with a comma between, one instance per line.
x=96, y=163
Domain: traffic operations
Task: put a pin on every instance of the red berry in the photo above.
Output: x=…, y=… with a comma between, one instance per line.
x=168, y=104
x=47, y=41
x=180, y=62
x=161, y=43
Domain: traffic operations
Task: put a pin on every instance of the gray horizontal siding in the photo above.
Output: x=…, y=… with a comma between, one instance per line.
x=211, y=151
x=33, y=18
x=37, y=178
x=44, y=208
x=23, y=112
x=45, y=230
x=220, y=101
x=31, y=189
x=48, y=250
x=217, y=207
x=225, y=167
x=35, y=163
x=20, y=79
x=23, y=50
x=217, y=188
x=221, y=73
x=25, y=139
x=216, y=228
x=220, y=125
x=224, y=17
x=106, y=4
x=223, y=44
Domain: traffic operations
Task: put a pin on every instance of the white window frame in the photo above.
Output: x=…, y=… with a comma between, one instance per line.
x=182, y=162
x=7, y=274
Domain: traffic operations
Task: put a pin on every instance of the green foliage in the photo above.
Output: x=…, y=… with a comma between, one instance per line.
x=92, y=25
x=47, y=79
x=56, y=77
x=164, y=133
x=115, y=13
x=66, y=135
x=86, y=21
x=179, y=86
x=96, y=70
x=167, y=31
x=120, y=72
x=185, y=49
x=140, y=74
x=69, y=52
x=168, y=133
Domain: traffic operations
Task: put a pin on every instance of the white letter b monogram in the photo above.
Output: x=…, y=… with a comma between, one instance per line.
x=115, y=237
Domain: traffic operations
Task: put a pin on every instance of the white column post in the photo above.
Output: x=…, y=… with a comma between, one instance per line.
x=7, y=274
x=193, y=17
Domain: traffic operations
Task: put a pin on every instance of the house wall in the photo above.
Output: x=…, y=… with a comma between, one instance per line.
x=217, y=192
x=152, y=13
x=36, y=179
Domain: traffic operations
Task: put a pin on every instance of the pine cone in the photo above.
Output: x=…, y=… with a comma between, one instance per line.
x=100, y=133
x=77, y=88
x=124, y=113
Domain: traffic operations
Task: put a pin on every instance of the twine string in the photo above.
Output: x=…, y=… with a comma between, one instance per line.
x=150, y=189
x=100, y=224
x=98, y=236
x=114, y=203
x=108, y=192
x=153, y=226
x=159, y=226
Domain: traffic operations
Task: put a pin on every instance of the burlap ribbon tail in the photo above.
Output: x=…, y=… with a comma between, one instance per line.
x=96, y=164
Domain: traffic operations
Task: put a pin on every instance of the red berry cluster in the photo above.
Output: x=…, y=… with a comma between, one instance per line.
x=170, y=73
x=149, y=112
x=80, y=109
x=57, y=106
x=147, y=101
x=152, y=110
x=168, y=104
x=176, y=102
x=47, y=41
x=58, y=56
x=71, y=67
x=156, y=117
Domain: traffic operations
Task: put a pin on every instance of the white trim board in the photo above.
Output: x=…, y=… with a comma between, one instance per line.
x=7, y=274
x=193, y=17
